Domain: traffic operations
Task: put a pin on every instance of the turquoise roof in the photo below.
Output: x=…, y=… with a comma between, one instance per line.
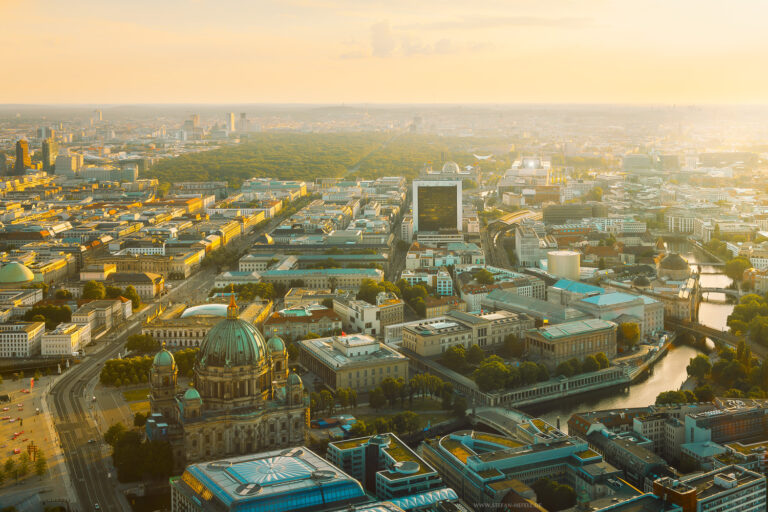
x=275, y=344
x=610, y=299
x=15, y=272
x=164, y=358
x=577, y=287
x=294, y=379
x=191, y=394
x=232, y=342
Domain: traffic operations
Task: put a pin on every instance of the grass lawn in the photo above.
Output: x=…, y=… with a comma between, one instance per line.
x=132, y=395
x=142, y=407
x=428, y=409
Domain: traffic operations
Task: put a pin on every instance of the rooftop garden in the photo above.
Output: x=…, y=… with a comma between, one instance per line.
x=491, y=438
x=587, y=454
x=350, y=443
x=457, y=449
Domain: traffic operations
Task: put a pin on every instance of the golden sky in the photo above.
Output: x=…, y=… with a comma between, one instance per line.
x=316, y=51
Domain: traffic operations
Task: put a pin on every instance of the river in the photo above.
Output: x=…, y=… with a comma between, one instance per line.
x=669, y=373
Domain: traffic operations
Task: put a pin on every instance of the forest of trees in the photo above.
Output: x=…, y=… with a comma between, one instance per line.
x=306, y=156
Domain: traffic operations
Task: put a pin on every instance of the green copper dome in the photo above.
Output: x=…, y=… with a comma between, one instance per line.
x=164, y=358
x=15, y=272
x=294, y=380
x=191, y=394
x=275, y=344
x=232, y=342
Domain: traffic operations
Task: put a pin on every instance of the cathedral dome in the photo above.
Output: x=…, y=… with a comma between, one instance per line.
x=275, y=344
x=641, y=282
x=674, y=261
x=164, y=359
x=450, y=168
x=232, y=342
x=15, y=273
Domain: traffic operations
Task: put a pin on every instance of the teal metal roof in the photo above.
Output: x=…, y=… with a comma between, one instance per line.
x=322, y=271
x=164, y=358
x=232, y=342
x=15, y=272
x=610, y=299
x=275, y=344
x=574, y=328
x=191, y=394
x=577, y=287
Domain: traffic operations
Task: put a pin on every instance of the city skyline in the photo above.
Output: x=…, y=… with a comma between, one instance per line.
x=326, y=51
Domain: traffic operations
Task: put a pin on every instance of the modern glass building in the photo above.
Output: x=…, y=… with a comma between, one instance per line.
x=277, y=481
x=437, y=205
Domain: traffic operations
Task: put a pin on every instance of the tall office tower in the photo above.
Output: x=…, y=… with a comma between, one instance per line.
x=3, y=164
x=50, y=152
x=243, y=122
x=436, y=205
x=195, y=121
x=231, y=126
x=97, y=115
x=23, y=161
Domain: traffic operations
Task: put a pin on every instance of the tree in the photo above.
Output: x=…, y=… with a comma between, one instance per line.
x=406, y=422
x=63, y=294
x=601, y=264
x=483, y=276
x=142, y=343
x=734, y=268
x=704, y=393
x=376, y=398
x=328, y=400
x=699, y=367
x=630, y=333
x=491, y=374
x=293, y=351
x=113, y=292
x=602, y=360
x=392, y=389
x=342, y=396
x=554, y=496
x=675, y=397
x=530, y=372
x=513, y=347
x=114, y=433
x=455, y=358
x=41, y=463
x=327, y=302
x=358, y=429
x=139, y=420
x=94, y=290
x=475, y=355
x=131, y=294
x=590, y=364
x=22, y=465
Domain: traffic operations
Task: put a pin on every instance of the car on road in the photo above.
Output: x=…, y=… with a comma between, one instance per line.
x=96, y=506
x=6, y=408
x=17, y=451
x=91, y=441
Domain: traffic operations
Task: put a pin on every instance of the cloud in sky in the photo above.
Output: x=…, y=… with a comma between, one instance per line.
x=685, y=51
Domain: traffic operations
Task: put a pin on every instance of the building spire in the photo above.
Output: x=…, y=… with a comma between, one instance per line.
x=232, y=312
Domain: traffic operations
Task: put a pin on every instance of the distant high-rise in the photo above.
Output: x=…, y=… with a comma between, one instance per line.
x=231, y=126
x=243, y=122
x=50, y=152
x=23, y=161
x=195, y=121
x=3, y=164
x=45, y=132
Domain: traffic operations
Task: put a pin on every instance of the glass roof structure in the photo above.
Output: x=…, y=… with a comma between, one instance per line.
x=275, y=481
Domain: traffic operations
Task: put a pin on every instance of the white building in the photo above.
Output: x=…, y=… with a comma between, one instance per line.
x=65, y=339
x=21, y=339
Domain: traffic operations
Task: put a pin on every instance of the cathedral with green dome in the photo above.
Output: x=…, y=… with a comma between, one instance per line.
x=243, y=399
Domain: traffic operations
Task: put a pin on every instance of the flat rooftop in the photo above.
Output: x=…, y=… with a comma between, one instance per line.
x=564, y=330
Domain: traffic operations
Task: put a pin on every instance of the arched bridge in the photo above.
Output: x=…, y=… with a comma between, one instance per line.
x=726, y=291
x=714, y=334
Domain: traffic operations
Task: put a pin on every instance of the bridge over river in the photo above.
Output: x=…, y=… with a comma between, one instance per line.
x=716, y=335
